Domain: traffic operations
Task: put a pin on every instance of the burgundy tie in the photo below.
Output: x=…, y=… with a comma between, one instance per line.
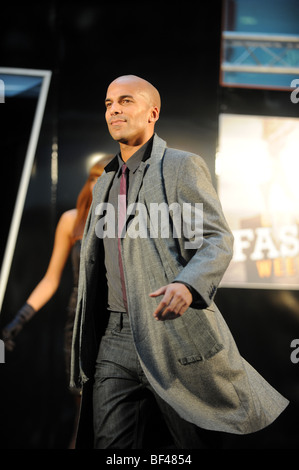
x=122, y=211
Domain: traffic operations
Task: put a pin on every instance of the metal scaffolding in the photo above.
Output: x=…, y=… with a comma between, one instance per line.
x=260, y=53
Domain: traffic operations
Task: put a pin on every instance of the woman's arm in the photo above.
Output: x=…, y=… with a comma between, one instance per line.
x=47, y=287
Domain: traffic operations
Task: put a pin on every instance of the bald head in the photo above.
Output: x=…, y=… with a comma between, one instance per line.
x=132, y=110
x=142, y=86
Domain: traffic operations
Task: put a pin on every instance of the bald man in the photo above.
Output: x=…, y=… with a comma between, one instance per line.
x=132, y=110
x=150, y=347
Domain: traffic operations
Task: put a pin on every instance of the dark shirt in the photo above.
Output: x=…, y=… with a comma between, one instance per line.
x=115, y=298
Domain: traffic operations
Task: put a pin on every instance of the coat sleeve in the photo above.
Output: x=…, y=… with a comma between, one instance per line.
x=207, y=241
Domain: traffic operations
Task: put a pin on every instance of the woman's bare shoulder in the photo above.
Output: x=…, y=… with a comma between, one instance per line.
x=67, y=219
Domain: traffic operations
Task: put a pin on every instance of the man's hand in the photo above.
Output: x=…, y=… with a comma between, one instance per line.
x=177, y=298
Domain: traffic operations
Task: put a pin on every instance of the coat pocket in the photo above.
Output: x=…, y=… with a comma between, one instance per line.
x=192, y=337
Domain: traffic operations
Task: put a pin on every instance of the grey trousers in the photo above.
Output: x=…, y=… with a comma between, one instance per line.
x=127, y=412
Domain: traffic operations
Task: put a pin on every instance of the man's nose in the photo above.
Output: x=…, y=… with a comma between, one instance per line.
x=114, y=109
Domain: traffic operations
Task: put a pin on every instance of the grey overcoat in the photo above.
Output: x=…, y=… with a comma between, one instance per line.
x=192, y=362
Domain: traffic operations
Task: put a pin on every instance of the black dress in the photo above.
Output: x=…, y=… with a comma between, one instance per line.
x=71, y=309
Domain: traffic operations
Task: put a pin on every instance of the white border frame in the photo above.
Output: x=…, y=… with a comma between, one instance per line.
x=26, y=172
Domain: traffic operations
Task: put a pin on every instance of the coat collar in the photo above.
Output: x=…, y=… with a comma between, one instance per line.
x=154, y=152
x=114, y=164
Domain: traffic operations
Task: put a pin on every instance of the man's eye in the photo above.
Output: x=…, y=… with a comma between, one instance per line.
x=107, y=105
x=126, y=101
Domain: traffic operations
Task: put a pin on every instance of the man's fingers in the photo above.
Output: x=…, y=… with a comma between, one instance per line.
x=167, y=307
x=158, y=292
x=164, y=302
x=174, y=309
x=175, y=302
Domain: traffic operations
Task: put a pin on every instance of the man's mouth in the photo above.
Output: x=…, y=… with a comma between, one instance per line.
x=116, y=122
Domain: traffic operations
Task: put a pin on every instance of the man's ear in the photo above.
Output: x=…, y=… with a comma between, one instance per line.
x=154, y=116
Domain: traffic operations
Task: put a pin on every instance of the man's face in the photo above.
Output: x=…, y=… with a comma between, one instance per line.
x=129, y=113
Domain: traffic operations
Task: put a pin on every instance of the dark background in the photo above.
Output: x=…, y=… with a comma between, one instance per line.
x=86, y=45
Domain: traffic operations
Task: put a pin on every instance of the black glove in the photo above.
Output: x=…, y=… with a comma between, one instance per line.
x=11, y=330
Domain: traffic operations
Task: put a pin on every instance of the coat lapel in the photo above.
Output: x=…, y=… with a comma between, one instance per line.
x=101, y=189
x=138, y=180
x=151, y=166
x=100, y=195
